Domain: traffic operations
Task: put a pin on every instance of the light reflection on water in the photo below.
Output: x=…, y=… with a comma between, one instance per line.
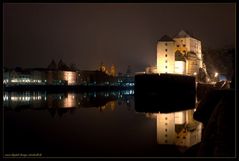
x=178, y=128
x=14, y=100
x=172, y=128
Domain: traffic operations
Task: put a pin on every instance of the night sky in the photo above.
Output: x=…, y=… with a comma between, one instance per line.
x=119, y=34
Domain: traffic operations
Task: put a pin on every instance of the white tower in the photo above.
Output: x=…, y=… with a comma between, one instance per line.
x=165, y=55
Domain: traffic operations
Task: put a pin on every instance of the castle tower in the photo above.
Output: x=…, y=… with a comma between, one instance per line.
x=165, y=55
x=102, y=67
x=186, y=43
x=113, y=70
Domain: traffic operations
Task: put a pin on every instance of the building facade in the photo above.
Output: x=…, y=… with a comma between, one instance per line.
x=181, y=54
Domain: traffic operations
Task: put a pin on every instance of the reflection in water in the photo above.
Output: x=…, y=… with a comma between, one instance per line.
x=15, y=100
x=38, y=100
x=174, y=115
x=178, y=128
x=171, y=128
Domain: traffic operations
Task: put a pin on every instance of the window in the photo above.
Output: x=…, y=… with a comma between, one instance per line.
x=166, y=123
x=166, y=118
x=166, y=67
x=166, y=44
x=184, y=45
x=166, y=135
x=166, y=61
x=166, y=55
x=177, y=45
x=184, y=51
x=166, y=141
x=166, y=50
x=166, y=130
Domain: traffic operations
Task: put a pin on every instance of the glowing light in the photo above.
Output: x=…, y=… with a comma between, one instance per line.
x=5, y=98
x=70, y=77
x=179, y=67
x=216, y=74
x=69, y=101
x=195, y=73
x=14, y=80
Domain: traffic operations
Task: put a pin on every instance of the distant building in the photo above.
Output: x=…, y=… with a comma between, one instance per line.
x=60, y=74
x=61, y=77
x=108, y=70
x=93, y=78
x=39, y=76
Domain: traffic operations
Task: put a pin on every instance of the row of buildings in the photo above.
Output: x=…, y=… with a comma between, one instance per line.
x=61, y=74
x=61, y=77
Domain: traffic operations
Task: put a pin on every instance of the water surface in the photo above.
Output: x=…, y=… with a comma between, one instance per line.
x=96, y=124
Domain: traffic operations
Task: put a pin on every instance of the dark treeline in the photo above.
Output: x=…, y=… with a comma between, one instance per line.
x=220, y=60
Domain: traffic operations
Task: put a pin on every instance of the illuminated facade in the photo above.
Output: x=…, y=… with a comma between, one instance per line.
x=62, y=77
x=39, y=77
x=108, y=70
x=180, y=55
x=165, y=55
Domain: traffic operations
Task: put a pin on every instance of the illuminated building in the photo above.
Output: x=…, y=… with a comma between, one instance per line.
x=181, y=54
x=61, y=77
x=108, y=70
x=113, y=71
x=39, y=77
x=102, y=67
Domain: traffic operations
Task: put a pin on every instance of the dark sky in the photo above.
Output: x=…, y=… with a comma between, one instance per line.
x=120, y=34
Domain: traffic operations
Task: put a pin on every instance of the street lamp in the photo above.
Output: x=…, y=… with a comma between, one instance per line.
x=216, y=77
